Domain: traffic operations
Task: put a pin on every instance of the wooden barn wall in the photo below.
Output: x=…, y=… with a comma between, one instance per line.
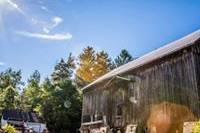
x=196, y=51
x=172, y=79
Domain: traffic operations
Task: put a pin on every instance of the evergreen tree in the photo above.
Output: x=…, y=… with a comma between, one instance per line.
x=8, y=98
x=123, y=58
x=35, y=78
x=10, y=78
x=63, y=69
x=32, y=93
x=86, y=65
x=61, y=107
x=92, y=65
x=59, y=101
x=10, y=83
x=101, y=65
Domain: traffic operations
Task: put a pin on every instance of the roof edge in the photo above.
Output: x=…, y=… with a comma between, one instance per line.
x=161, y=52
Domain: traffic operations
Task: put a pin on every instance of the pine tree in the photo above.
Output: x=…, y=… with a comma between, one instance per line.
x=61, y=106
x=10, y=78
x=10, y=83
x=92, y=65
x=61, y=102
x=101, y=65
x=63, y=69
x=123, y=58
x=8, y=98
x=32, y=93
x=86, y=65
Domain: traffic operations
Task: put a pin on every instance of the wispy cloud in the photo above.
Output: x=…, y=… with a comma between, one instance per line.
x=45, y=8
x=9, y=4
x=61, y=36
x=45, y=26
x=55, y=21
x=2, y=63
x=14, y=5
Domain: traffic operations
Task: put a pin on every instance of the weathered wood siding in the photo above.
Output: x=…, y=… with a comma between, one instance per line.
x=174, y=79
x=196, y=51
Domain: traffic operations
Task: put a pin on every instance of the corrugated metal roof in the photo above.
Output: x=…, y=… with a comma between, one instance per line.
x=152, y=56
x=19, y=115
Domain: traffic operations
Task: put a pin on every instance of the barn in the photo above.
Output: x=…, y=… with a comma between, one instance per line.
x=155, y=93
x=18, y=118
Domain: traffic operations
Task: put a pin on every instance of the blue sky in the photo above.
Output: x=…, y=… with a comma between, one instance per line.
x=35, y=34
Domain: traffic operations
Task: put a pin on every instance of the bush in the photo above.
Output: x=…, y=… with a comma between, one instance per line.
x=9, y=129
x=196, y=128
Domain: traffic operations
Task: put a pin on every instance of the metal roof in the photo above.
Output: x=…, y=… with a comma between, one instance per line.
x=149, y=57
x=19, y=115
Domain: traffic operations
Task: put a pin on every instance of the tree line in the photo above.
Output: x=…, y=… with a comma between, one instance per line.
x=58, y=98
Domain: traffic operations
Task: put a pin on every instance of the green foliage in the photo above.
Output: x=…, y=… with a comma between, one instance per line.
x=63, y=69
x=10, y=78
x=61, y=102
x=10, y=82
x=35, y=77
x=56, y=100
x=123, y=58
x=59, y=116
x=32, y=93
x=9, y=129
x=196, y=128
x=8, y=98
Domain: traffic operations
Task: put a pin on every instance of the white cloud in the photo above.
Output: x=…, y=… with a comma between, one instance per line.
x=55, y=21
x=44, y=8
x=14, y=5
x=37, y=22
x=10, y=4
x=45, y=26
x=61, y=36
x=46, y=30
x=2, y=63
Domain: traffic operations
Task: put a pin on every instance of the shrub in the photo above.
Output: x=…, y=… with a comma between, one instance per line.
x=196, y=128
x=9, y=129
